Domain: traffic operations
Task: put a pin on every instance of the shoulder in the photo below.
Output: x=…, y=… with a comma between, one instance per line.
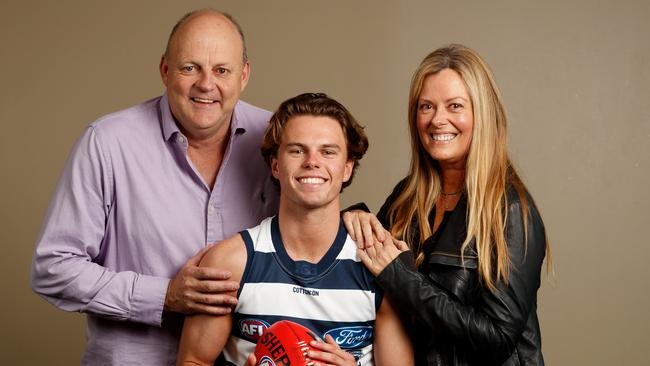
x=251, y=110
x=519, y=202
x=400, y=186
x=251, y=117
x=229, y=254
x=143, y=116
x=397, y=190
x=382, y=215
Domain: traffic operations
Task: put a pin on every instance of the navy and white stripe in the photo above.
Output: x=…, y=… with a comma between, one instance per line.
x=335, y=296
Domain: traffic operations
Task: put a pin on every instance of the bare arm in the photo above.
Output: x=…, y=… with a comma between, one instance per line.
x=204, y=336
x=392, y=345
x=196, y=289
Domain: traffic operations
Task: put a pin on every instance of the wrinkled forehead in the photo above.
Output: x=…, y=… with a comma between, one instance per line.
x=206, y=31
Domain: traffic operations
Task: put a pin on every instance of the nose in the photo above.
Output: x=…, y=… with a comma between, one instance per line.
x=311, y=160
x=439, y=118
x=206, y=81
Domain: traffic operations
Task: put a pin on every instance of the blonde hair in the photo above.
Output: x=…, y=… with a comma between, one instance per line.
x=489, y=172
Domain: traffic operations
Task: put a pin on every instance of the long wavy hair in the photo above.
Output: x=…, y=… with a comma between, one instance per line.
x=488, y=175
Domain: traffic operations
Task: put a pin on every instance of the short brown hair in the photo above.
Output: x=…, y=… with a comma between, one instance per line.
x=316, y=104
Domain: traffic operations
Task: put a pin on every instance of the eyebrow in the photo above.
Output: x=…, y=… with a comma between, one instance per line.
x=446, y=101
x=294, y=144
x=454, y=98
x=323, y=146
x=331, y=146
x=193, y=61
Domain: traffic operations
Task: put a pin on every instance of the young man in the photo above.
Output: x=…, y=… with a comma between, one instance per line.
x=301, y=265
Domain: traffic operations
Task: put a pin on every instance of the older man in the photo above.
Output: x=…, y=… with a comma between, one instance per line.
x=147, y=188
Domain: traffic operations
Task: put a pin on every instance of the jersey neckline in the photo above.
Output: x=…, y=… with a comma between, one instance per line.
x=302, y=269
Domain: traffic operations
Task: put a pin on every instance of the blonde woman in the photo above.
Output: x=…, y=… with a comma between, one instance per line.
x=466, y=266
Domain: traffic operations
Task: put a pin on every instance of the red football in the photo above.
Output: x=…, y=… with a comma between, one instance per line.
x=284, y=343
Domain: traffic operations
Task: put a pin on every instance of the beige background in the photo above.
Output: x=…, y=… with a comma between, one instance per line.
x=575, y=76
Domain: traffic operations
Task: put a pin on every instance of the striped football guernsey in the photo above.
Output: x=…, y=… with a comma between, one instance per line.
x=336, y=296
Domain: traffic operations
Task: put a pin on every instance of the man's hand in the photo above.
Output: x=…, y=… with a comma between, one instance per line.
x=197, y=289
x=364, y=228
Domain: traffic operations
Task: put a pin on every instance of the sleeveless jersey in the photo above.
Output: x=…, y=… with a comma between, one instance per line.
x=336, y=296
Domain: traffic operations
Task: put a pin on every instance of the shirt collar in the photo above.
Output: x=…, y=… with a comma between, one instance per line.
x=238, y=123
x=168, y=124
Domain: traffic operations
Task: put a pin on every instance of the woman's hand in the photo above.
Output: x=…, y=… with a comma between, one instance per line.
x=378, y=256
x=329, y=354
x=364, y=228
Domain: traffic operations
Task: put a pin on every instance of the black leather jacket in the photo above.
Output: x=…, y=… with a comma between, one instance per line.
x=457, y=321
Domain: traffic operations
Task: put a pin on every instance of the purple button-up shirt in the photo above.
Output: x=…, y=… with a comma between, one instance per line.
x=129, y=210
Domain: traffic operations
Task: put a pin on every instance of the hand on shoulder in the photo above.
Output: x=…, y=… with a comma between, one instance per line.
x=208, y=282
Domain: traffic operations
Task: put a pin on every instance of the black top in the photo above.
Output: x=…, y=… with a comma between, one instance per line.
x=431, y=242
x=455, y=319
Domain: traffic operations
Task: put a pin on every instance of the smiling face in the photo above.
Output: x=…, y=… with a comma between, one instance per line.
x=311, y=163
x=204, y=73
x=445, y=118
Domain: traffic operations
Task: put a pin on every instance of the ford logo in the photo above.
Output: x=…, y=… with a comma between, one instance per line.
x=252, y=328
x=352, y=337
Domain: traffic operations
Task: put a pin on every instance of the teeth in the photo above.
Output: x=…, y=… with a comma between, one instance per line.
x=312, y=180
x=201, y=100
x=445, y=137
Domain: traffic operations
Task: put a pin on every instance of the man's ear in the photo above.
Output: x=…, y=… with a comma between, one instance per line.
x=245, y=75
x=274, y=167
x=163, y=68
x=349, y=167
